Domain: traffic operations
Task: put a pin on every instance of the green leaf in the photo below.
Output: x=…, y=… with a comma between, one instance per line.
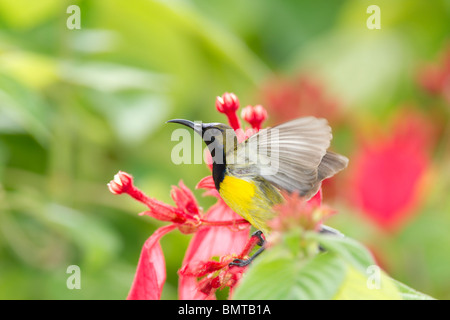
x=357, y=286
x=98, y=242
x=357, y=282
x=111, y=77
x=280, y=275
x=408, y=293
x=318, y=278
x=24, y=14
x=349, y=249
x=23, y=109
x=34, y=71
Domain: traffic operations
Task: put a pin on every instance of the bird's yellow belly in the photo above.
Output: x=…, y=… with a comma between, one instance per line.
x=246, y=199
x=238, y=194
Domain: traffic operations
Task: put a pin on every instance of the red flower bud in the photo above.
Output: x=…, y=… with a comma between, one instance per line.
x=227, y=103
x=255, y=116
x=121, y=183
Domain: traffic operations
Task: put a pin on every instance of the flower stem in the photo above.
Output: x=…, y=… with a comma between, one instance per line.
x=233, y=120
x=139, y=196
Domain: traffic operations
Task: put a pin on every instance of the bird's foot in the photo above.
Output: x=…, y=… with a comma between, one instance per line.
x=245, y=262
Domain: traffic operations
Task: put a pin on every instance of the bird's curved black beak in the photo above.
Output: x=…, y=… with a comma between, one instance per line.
x=186, y=123
x=197, y=127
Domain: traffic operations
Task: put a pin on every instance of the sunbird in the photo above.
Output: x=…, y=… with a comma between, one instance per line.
x=250, y=175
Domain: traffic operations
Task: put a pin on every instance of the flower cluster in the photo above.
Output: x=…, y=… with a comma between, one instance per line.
x=220, y=235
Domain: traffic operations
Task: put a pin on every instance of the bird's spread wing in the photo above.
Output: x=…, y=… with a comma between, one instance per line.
x=293, y=156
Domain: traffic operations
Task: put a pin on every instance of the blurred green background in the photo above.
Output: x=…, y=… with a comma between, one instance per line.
x=78, y=105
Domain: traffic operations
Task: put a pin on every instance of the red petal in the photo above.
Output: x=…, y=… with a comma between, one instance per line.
x=208, y=159
x=161, y=211
x=316, y=200
x=184, y=199
x=206, y=183
x=210, y=242
x=114, y=187
x=201, y=268
x=151, y=270
x=212, y=193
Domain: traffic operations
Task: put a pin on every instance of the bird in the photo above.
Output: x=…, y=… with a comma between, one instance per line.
x=251, y=175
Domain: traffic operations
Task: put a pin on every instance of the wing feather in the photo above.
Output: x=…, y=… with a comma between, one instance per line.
x=293, y=156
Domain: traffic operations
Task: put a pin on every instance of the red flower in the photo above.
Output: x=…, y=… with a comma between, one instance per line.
x=387, y=173
x=188, y=218
x=286, y=99
x=435, y=78
x=217, y=233
x=220, y=232
x=211, y=242
x=214, y=274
